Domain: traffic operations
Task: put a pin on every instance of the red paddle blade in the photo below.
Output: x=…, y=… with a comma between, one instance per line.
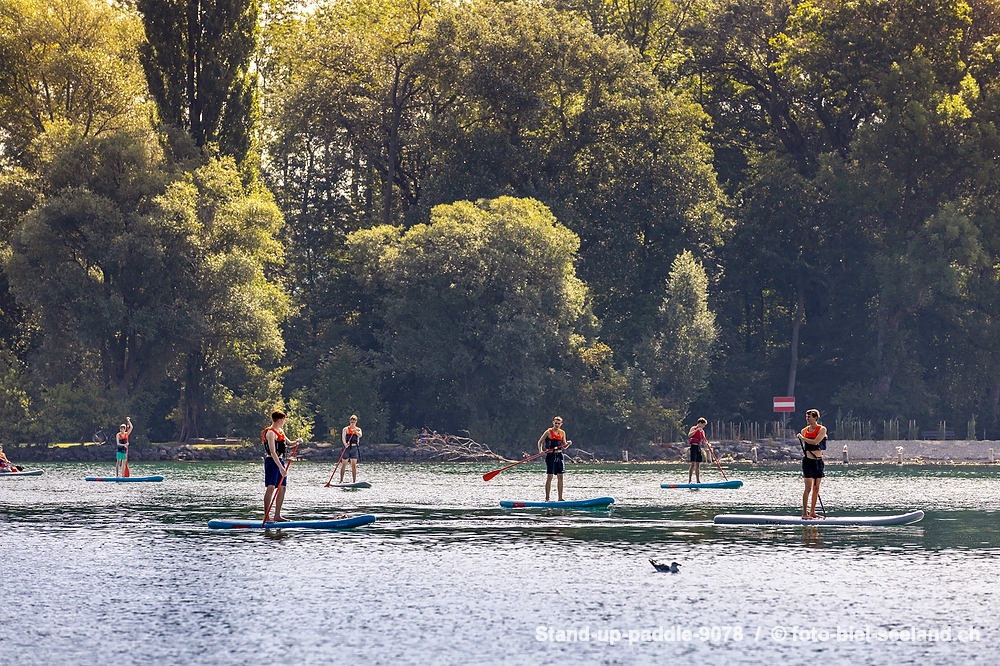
x=125, y=472
x=490, y=475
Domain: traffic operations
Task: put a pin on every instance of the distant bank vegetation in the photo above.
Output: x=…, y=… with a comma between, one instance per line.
x=475, y=215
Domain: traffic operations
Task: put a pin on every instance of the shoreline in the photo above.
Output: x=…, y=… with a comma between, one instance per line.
x=767, y=453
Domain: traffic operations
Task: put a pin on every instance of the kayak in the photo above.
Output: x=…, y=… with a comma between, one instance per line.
x=332, y=524
x=359, y=484
x=124, y=479
x=575, y=504
x=735, y=483
x=758, y=519
x=34, y=472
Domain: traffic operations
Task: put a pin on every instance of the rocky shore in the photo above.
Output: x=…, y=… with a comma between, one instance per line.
x=765, y=451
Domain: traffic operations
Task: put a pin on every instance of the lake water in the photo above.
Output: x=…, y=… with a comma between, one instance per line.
x=129, y=573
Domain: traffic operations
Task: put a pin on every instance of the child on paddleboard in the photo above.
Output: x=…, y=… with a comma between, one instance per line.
x=351, y=437
x=813, y=441
x=121, y=448
x=554, y=441
x=696, y=437
x=275, y=468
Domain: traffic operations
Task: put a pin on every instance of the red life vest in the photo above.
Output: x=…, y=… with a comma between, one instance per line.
x=353, y=434
x=279, y=441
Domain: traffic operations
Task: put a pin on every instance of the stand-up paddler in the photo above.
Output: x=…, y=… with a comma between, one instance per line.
x=275, y=467
x=351, y=437
x=813, y=441
x=696, y=437
x=554, y=441
x=121, y=448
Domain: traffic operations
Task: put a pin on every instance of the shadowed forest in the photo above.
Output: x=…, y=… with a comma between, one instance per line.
x=475, y=215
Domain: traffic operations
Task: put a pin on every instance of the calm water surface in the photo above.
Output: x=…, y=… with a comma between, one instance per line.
x=129, y=573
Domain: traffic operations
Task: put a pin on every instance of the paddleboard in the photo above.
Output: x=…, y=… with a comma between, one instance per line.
x=332, y=524
x=359, y=484
x=759, y=519
x=574, y=504
x=735, y=483
x=34, y=472
x=124, y=479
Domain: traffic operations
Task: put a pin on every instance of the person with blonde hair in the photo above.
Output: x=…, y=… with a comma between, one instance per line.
x=121, y=447
x=696, y=437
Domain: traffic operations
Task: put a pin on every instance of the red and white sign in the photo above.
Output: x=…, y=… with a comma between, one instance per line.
x=784, y=403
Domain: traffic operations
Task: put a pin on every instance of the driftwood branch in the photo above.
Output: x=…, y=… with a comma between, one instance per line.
x=451, y=448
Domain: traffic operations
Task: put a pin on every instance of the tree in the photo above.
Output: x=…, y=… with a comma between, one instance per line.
x=144, y=271
x=680, y=353
x=198, y=63
x=477, y=306
x=66, y=61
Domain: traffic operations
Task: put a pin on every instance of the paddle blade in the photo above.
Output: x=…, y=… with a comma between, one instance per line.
x=490, y=475
x=125, y=471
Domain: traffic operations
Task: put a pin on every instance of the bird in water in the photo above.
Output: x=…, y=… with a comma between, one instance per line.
x=672, y=567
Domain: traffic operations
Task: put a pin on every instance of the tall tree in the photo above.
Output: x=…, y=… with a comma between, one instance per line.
x=66, y=61
x=680, y=353
x=198, y=62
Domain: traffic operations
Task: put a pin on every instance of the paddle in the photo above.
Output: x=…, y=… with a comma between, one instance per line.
x=125, y=471
x=335, y=467
x=277, y=488
x=717, y=463
x=490, y=475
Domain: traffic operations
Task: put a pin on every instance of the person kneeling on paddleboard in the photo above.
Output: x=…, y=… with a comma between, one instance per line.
x=275, y=468
x=813, y=441
x=351, y=437
x=554, y=441
x=6, y=466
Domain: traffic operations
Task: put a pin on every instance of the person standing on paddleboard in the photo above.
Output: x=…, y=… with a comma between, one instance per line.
x=121, y=450
x=554, y=441
x=813, y=441
x=696, y=437
x=351, y=437
x=275, y=468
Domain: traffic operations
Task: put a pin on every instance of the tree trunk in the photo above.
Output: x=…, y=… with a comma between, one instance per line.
x=191, y=397
x=800, y=307
x=393, y=149
x=193, y=63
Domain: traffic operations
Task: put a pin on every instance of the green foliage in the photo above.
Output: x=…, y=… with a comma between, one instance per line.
x=349, y=384
x=197, y=58
x=71, y=61
x=15, y=404
x=477, y=305
x=145, y=271
x=680, y=354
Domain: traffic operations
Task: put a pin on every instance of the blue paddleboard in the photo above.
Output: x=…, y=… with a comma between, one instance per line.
x=125, y=479
x=333, y=524
x=575, y=504
x=735, y=483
